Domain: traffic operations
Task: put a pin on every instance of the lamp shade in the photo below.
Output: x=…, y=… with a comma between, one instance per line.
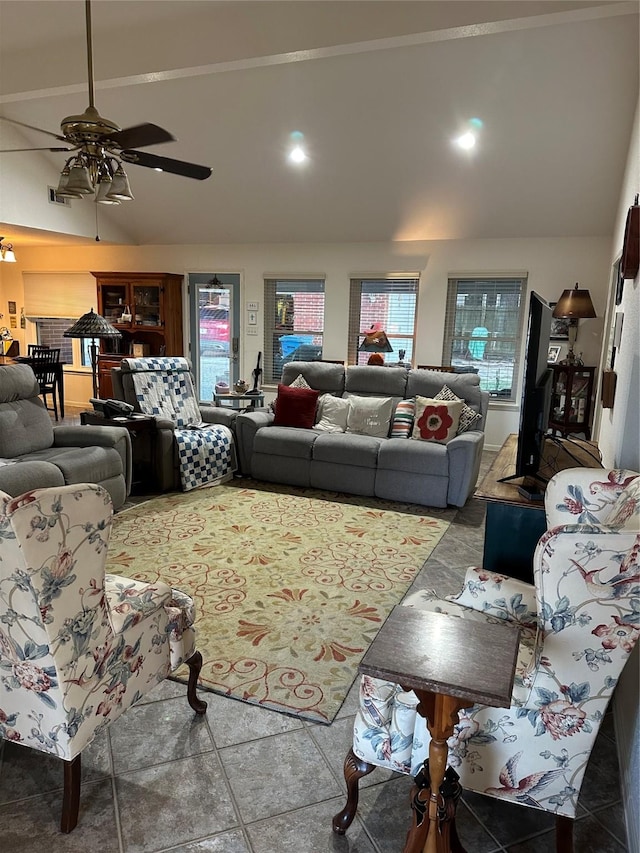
x=574, y=304
x=375, y=340
x=92, y=325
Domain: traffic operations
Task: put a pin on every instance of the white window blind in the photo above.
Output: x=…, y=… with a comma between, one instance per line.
x=388, y=304
x=59, y=294
x=483, y=329
x=294, y=323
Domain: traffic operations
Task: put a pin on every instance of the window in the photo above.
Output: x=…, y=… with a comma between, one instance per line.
x=388, y=304
x=50, y=331
x=294, y=323
x=483, y=326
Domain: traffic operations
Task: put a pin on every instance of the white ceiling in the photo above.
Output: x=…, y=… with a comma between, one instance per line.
x=379, y=90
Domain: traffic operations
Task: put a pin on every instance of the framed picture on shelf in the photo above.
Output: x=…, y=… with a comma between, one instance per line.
x=560, y=326
x=553, y=354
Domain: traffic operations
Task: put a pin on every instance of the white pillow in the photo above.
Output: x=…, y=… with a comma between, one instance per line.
x=332, y=414
x=370, y=415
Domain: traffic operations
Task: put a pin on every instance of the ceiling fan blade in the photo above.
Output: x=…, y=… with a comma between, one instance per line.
x=166, y=164
x=9, y=150
x=32, y=127
x=141, y=135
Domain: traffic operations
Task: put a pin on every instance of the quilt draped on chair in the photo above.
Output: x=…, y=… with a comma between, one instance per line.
x=164, y=388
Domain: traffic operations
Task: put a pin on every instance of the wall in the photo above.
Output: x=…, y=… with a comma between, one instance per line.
x=619, y=441
x=552, y=265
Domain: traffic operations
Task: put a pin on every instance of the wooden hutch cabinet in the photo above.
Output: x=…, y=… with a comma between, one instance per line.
x=571, y=394
x=146, y=307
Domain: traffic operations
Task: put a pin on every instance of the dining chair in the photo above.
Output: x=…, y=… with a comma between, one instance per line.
x=36, y=348
x=44, y=362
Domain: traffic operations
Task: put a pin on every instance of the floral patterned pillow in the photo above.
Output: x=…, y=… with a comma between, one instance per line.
x=625, y=512
x=436, y=420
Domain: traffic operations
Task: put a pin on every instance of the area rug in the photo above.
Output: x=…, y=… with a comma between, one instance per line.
x=291, y=585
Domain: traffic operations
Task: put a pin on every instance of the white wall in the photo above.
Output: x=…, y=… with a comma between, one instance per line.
x=551, y=264
x=619, y=441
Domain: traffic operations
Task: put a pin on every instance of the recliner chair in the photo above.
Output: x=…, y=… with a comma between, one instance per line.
x=579, y=623
x=180, y=407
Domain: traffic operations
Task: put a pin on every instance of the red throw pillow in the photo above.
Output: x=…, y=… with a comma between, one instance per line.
x=295, y=407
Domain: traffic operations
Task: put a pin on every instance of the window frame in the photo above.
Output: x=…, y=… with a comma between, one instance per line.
x=488, y=287
x=285, y=286
x=407, y=283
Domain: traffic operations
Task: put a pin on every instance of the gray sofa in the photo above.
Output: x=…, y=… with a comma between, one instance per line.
x=401, y=469
x=165, y=451
x=35, y=454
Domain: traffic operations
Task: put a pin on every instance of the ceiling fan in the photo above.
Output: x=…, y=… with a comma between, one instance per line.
x=100, y=147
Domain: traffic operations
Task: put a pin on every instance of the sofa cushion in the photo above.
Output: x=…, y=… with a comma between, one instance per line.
x=436, y=420
x=365, y=380
x=285, y=441
x=332, y=414
x=295, y=407
x=427, y=383
x=325, y=377
x=402, y=422
x=468, y=417
x=370, y=415
x=82, y=464
x=348, y=449
x=414, y=457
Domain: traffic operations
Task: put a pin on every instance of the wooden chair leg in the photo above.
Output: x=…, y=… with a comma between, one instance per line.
x=564, y=834
x=195, y=665
x=354, y=769
x=71, y=796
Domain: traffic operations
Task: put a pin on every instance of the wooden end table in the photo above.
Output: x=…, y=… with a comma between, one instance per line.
x=450, y=664
x=255, y=400
x=142, y=429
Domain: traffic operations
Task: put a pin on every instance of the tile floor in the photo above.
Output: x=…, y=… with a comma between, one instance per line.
x=248, y=780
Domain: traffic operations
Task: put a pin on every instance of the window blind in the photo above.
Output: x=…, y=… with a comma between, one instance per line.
x=386, y=303
x=294, y=323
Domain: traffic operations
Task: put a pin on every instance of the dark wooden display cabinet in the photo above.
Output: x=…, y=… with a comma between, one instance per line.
x=571, y=395
x=147, y=309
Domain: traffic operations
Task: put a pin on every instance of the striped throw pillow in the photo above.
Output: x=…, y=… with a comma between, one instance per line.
x=402, y=423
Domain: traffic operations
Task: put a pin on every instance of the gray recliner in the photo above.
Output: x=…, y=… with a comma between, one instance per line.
x=164, y=448
x=34, y=454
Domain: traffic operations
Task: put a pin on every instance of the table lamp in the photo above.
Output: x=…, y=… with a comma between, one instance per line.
x=92, y=325
x=375, y=341
x=574, y=304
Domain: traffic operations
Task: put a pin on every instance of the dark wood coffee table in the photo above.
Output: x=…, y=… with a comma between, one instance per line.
x=450, y=664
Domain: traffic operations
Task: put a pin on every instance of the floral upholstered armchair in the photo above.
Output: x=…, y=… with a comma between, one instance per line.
x=78, y=646
x=579, y=623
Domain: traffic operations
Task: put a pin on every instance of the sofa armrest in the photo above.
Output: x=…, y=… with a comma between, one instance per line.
x=247, y=425
x=465, y=454
x=498, y=595
x=98, y=436
x=219, y=415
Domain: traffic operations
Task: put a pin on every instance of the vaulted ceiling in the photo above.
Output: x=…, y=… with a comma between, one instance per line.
x=379, y=90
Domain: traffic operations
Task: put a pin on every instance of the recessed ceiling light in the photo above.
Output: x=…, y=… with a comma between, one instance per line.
x=297, y=154
x=466, y=141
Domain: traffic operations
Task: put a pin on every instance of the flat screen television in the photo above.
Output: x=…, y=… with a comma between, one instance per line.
x=535, y=401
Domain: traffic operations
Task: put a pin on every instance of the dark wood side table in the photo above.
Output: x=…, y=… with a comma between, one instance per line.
x=142, y=429
x=450, y=664
x=514, y=523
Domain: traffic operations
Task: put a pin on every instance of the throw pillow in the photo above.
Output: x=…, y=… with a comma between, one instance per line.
x=295, y=407
x=332, y=414
x=436, y=420
x=402, y=423
x=468, y=418
x=369, y=415
x=299, y=382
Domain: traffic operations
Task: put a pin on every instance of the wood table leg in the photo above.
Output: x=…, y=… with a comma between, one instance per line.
x=441, y=713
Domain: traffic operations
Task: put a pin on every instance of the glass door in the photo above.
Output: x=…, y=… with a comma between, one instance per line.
x=214, y=312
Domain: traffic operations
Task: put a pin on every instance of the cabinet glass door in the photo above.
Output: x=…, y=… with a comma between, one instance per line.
x=113, y=298
x=147, y=307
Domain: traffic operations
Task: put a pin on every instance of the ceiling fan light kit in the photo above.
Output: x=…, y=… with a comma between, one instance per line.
x=96, y=169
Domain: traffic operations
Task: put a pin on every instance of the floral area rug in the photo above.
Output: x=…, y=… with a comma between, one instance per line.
x=291, y=585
